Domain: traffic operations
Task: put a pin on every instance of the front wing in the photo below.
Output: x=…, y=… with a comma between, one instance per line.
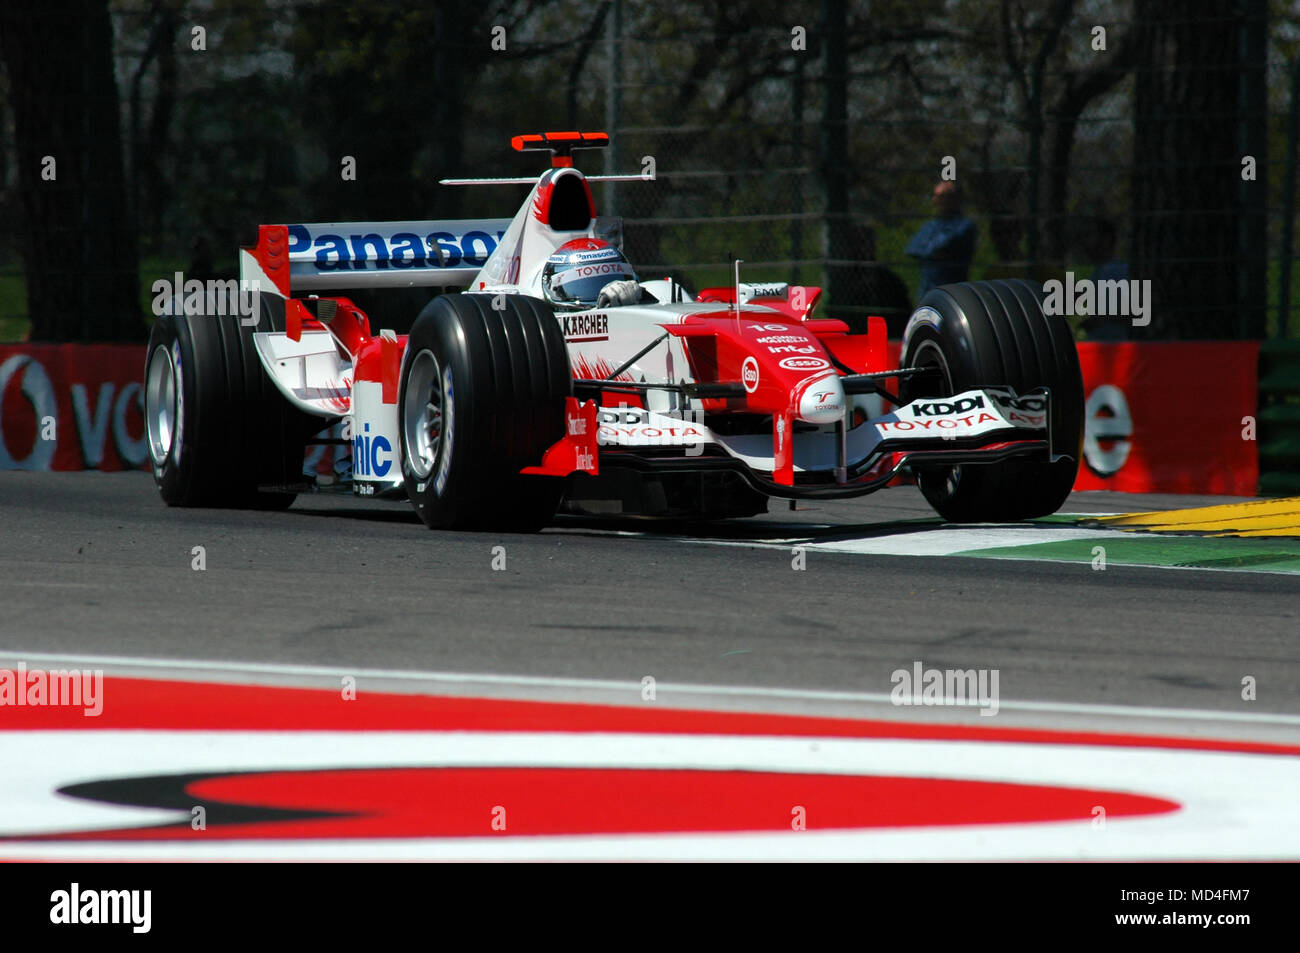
x=980, y=426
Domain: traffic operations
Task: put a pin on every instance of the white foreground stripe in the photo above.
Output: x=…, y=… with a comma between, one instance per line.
x=1235, y=805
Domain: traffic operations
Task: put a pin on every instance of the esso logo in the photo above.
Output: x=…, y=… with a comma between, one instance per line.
x=804, y=364
x=749, y=374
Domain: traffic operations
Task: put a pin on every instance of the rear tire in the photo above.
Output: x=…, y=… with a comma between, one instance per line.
x=216, y=427
x=482, y=396
x=991, y=333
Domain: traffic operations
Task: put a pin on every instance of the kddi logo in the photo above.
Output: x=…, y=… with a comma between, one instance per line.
x=947, y=408
x=626, y=417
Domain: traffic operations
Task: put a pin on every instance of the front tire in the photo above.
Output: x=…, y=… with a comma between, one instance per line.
x=482, y=396
x=992, y=333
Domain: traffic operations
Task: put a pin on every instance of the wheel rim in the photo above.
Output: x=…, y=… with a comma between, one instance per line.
x=422, y=414
x=160, y=404
x=929, y=354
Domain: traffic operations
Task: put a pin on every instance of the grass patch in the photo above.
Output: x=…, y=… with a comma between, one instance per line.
x=13, y=304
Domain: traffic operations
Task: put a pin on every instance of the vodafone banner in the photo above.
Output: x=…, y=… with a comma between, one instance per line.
x=1168, y=417
x=81, y=407
x=71, y=407
x=1162, y=417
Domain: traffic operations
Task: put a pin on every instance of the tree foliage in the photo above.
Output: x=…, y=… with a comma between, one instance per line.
x=805, y=163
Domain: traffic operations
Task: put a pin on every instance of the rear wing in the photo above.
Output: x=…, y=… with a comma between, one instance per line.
x=291, y=259
x=338, y=256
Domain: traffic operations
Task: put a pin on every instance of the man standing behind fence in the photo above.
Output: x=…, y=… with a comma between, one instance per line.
x=946, y=243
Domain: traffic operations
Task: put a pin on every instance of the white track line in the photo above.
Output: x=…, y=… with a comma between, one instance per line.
x=539, y=681
x=944, y=543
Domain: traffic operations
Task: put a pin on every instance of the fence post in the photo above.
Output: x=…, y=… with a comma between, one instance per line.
x=1252, y=132
x=1288, y=204
x=796, y=187
x=613, y=92
x=835, y=150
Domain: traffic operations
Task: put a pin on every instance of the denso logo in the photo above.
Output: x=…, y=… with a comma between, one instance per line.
x=398, y=250
x=947, y=408
x=804, y=364
x=749, y=374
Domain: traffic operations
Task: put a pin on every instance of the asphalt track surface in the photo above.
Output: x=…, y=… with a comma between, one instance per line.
x=95, y=566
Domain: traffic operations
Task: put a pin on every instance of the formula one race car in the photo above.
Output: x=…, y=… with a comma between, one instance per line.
x=557, y=379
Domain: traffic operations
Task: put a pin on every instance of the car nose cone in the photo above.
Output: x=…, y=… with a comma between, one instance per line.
x=822, y=401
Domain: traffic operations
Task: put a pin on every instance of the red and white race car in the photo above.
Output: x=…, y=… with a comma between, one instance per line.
x=557, y=378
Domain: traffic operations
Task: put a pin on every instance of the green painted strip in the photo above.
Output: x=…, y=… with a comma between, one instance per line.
x=1193, y=552
x=1066, y=518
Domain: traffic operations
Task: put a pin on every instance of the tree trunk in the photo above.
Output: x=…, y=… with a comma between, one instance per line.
x=835, y=155
x=1079, y=91
x=449, y=70
x=1186, y=168
x=150, y=189
x=79, y=241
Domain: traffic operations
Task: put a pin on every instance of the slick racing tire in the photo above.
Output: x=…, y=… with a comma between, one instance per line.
x=990, y=333
x=481, y=397
x=216, y=427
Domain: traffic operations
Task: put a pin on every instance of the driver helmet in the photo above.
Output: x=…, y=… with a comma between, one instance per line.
x=578, y=269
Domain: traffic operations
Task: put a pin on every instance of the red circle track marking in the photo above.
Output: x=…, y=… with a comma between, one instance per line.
x=459, y=802
x=327, y=799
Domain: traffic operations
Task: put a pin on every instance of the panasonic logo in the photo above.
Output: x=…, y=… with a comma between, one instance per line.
x=366, y=450
x=374, y=250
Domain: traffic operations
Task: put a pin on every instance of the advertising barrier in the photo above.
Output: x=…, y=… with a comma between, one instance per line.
x=1170, y=417
x=72, y=407
x=1176, y=417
